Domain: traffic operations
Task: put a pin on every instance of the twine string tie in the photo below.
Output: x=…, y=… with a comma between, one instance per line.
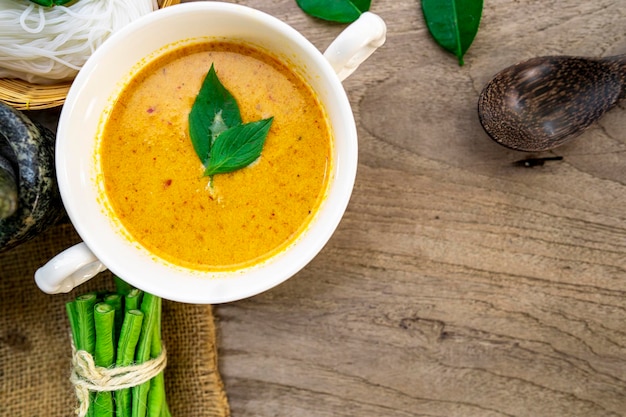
x=86, y=376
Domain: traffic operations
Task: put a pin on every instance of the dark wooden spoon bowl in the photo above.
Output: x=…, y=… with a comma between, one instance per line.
x=544, y=102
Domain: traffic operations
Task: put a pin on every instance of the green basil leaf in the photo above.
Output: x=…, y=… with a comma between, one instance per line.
x=453, y=23
x=45, y=3
x=362, y=5
x=343, y=11
x=214, y=111
x=238, y=147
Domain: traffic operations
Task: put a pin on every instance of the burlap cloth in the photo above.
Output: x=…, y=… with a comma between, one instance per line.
x=35, y=349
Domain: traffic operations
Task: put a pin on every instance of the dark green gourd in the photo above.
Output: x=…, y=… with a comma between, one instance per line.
x=8, y=186
x=29, y=196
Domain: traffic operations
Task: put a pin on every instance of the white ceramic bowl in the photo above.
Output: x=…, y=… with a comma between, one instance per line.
x=105, y=246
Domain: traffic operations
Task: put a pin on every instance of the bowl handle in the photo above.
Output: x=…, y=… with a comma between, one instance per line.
x=68, y=269
x=356, y=43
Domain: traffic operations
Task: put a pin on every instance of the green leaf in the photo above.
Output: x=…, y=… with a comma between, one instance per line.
x=453, y=23
x=343, y=11
x=50, y=3
x=214, y=111
x=221, y=140
x=238, y=147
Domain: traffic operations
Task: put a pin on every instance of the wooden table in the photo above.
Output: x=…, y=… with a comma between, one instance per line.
x=458, y=284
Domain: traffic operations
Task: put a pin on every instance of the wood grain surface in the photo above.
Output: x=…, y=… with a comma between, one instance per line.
x=458, y=284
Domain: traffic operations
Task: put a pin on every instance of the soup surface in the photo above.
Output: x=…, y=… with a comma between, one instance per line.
x=154, y=180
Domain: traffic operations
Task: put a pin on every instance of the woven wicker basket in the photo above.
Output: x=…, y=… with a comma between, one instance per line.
x=26, y=96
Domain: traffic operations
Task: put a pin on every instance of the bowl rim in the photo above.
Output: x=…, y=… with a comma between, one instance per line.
x=194, y=286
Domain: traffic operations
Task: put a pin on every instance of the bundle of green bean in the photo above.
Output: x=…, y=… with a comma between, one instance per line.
x=118, y=330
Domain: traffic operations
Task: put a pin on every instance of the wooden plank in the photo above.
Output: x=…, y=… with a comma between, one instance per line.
x=458, y=284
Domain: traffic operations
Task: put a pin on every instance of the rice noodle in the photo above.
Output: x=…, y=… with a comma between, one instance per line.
x=47, y=45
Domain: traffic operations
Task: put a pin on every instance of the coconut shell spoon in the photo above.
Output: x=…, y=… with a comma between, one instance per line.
x=544, y=102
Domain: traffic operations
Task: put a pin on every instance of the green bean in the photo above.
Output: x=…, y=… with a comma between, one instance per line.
x=81, y=312
x=121, y=286
x=165, y=410
x=116, y=301
x=156, y=395
x=104, y=319
x=129, y=336
x=72, y=315
x=150, y=306
x=132, y=301
x=84, y=305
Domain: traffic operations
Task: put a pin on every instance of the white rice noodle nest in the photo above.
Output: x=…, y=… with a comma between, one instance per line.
x=47, y=45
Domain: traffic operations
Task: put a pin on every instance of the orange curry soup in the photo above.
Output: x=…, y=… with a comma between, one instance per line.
x=153, y=179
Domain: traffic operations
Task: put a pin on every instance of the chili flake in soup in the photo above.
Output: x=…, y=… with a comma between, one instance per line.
x=154, y=180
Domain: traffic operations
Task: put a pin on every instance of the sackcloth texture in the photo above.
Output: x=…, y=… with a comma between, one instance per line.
x=35, y=349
